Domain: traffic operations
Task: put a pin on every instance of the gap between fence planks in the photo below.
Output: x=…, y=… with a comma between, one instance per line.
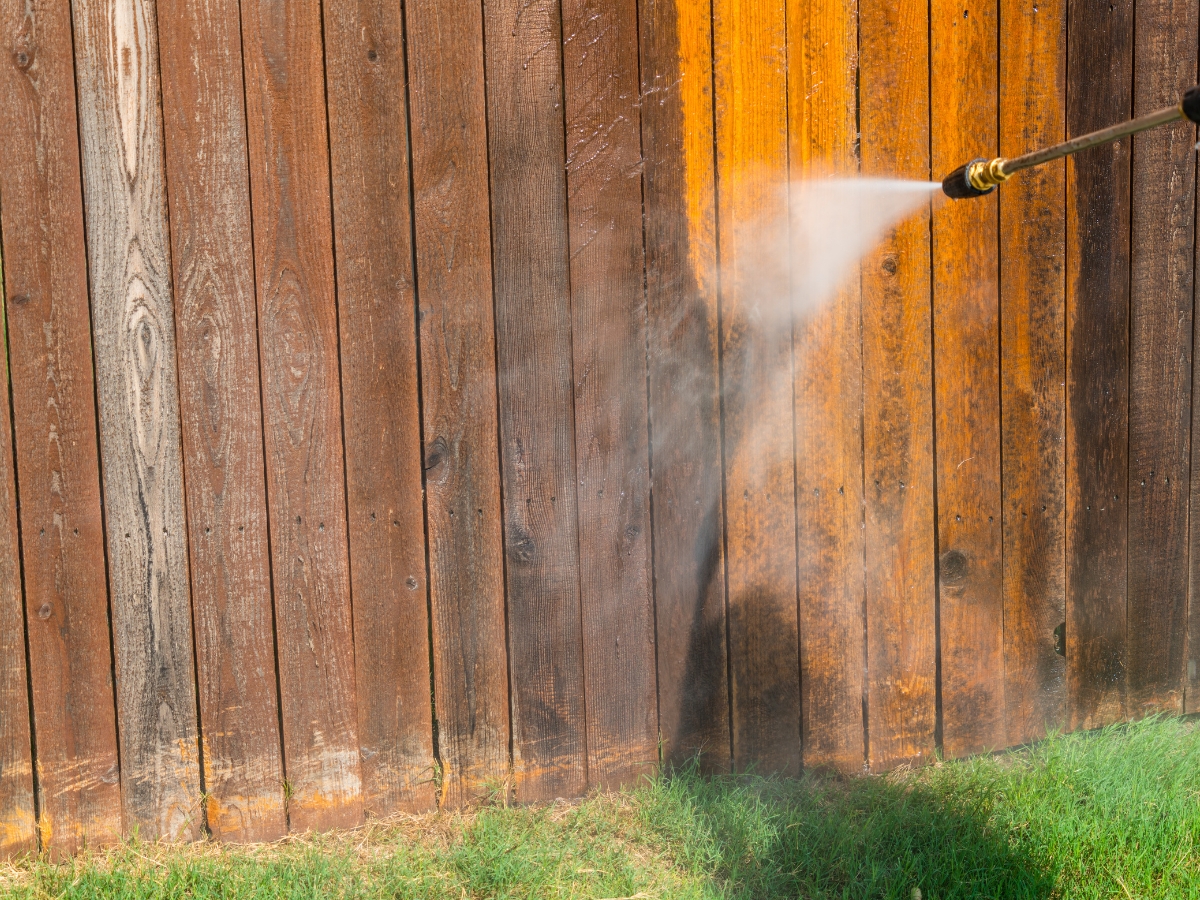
x=368, y=116
x=684, y=382
x=822, y=108
x=534, y=358
x=1033, y=369
x=897, y=391
x=298, y=329
x=966, y=366
x=208, y=192
x=458, y=378
x=1100, y=51
x=54, y=414
x=116, y=62
x=1162, y=297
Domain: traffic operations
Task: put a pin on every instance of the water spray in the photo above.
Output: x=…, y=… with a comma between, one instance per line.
x=981, y=176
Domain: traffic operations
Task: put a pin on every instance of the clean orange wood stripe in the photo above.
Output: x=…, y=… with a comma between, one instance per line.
x=823, y=111
x=966, y=323
x=684, y=378
x=897, y=392
x=1033, y=58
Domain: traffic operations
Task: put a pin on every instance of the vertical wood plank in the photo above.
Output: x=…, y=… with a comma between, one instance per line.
x=1099, y=93
x=533, y=336
x=458, y=377
x=684, y=374
x=49, y=338
x=750, y=60
x=601, y=88
x=134, y=334
x=1160, y=358
x=897, y=392
x=17, y=825
x=208, y=190
x=297, y=315
x=368, y=121
x=823, y=113
x=963, y=62
x=1033, y=60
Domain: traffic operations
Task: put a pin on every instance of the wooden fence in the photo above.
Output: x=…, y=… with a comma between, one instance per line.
x=370, y=352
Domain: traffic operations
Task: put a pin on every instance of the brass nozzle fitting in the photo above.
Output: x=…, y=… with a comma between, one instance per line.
x=985, y=174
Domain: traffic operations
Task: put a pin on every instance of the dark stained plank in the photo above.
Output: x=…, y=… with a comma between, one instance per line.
x=297, y=320
x=963, y=59
x=1033, y=58
x=54, y=412
x=17, y=824
x=604, y=202
x=208, y=190
x=1099, y=93
x=458, y=377
x=1160, y=358
x=116, y=65
x=750, y=98
x=365, y=71
x=684, y=377
x=533, y=339
x=897, y=392
x=823, y=113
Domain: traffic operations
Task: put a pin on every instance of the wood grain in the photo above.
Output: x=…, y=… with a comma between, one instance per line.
x=1033, y=58
x=897, y=392
x=684, y=381
x=116, y=65
x=297, y=316
x=54, y=412
x=963, y=60
x=604, y=201
x=1099, y=93
x=458, y=375
x=1162, y=283
x=18, y=834
x=533, y=340
x=368, y=116
x=823, y=113
x=750, y=97
x=208, y=190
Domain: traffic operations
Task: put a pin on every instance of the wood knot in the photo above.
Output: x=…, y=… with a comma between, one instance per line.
x=954, y=567
x=23, y=58
x=435, y=453
x=21, y=299
x=890, y=264
x=411, y=583
x=45, y=610
x=521, y=547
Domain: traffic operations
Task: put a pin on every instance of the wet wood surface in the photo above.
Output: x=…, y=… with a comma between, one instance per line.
x=208, y=190
x=822, y=109
x=1033, y=372
x=527, y=144
x=600, y=81
x=1162, y=285
x=458, y=380
x=684, y=382
x=302, y=417
x=966, y=367
x=750, y=100
x=133, y=327
x=57, y=456
x=1100, y=50
x=898, y=460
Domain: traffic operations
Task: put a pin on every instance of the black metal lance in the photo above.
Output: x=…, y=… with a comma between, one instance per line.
x=981, y=176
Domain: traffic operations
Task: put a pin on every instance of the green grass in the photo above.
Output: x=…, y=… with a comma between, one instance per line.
x=1109, y=814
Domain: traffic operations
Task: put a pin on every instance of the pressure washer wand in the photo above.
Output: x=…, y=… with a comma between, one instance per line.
x=980, y=176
